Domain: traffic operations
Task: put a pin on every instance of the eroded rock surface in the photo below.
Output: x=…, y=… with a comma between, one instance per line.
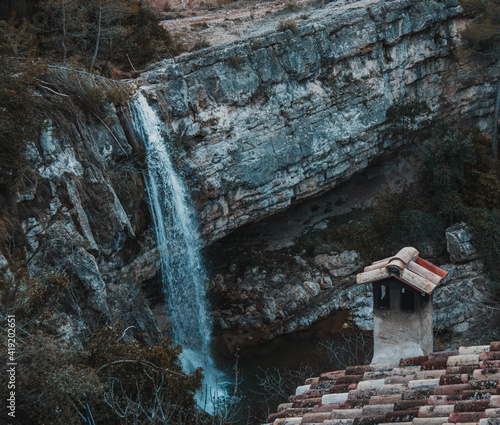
x=256, y=125
x=277, y=118
x=85, y=216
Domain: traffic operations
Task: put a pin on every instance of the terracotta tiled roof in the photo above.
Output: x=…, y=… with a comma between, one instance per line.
x=458, y=387
x=406, y=266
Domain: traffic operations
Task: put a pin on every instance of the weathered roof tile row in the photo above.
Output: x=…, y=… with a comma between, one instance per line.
x=446, y=387
x=407, y=266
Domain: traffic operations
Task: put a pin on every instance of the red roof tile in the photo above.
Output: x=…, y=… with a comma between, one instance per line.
x=407, y=267
x=430, y=390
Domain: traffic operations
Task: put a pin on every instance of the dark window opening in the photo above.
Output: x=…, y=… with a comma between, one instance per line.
x=407, y=300
x=382, y=296
x=424, y=299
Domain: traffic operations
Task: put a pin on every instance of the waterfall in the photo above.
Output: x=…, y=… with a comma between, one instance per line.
x=183, y=274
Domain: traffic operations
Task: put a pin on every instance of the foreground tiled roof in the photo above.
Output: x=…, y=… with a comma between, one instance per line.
x=406, y=266
x=459, y=387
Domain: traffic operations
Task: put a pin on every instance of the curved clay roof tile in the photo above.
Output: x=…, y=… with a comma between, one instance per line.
x=408, y=267
x=406, y=254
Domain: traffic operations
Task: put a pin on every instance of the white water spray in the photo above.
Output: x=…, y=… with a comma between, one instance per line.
x=183, y=274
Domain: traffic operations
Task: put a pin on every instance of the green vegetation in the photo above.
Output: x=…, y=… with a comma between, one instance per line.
x=92, y=93
x=407, y=119
x=482, y=40
x=459, y=181
x=19, y=71
x=109, y=36
x=19, y=75
x=114, y=378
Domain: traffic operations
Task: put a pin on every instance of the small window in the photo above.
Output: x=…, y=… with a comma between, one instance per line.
x=382, y=296
x=407, y=300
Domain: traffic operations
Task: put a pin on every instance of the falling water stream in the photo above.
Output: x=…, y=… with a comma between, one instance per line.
x=183, y=274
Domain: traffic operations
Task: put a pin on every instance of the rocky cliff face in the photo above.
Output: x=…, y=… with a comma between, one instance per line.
x=272, y=120
x=269, y=292
x=84, y=214
x=257, y=126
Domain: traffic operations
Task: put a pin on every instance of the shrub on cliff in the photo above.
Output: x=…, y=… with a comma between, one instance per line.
x=482, y=188
x=112, y=377
x=92, y=93
x=103, y=33
x=18, y=74
x=288, y=24
x=481, y=39
x=451, y=162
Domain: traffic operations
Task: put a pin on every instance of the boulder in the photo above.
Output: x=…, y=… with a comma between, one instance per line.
x=339, y=265
x=458, y=241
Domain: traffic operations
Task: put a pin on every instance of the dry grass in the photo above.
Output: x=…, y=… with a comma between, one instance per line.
x=288, y=24
x=90, y=91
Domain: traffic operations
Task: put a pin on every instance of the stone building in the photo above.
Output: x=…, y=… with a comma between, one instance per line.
x=402, y=305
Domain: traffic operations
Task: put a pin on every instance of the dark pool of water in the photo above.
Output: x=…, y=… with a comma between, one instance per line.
x=270, y=372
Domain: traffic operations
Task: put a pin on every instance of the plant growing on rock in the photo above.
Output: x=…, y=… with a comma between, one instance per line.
x=92, y=92
x=292, y=5
x=407, y=119
x=288, y=24
x=19, y=72
x=482, y=176
x=482, y=39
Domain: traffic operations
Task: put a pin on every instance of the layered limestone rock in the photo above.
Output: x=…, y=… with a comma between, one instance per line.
x=268, y=121
x=288, y=293
x=84, y=215
x=256, y=125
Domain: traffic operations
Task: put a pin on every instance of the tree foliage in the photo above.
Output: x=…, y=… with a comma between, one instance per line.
x=18, y=76
x=482, y=38
x=447, y=154
x=113, y=377
x=482, y=35
x=407, y=119
x=482, y=187
x=120, y=34
x=459, y=181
